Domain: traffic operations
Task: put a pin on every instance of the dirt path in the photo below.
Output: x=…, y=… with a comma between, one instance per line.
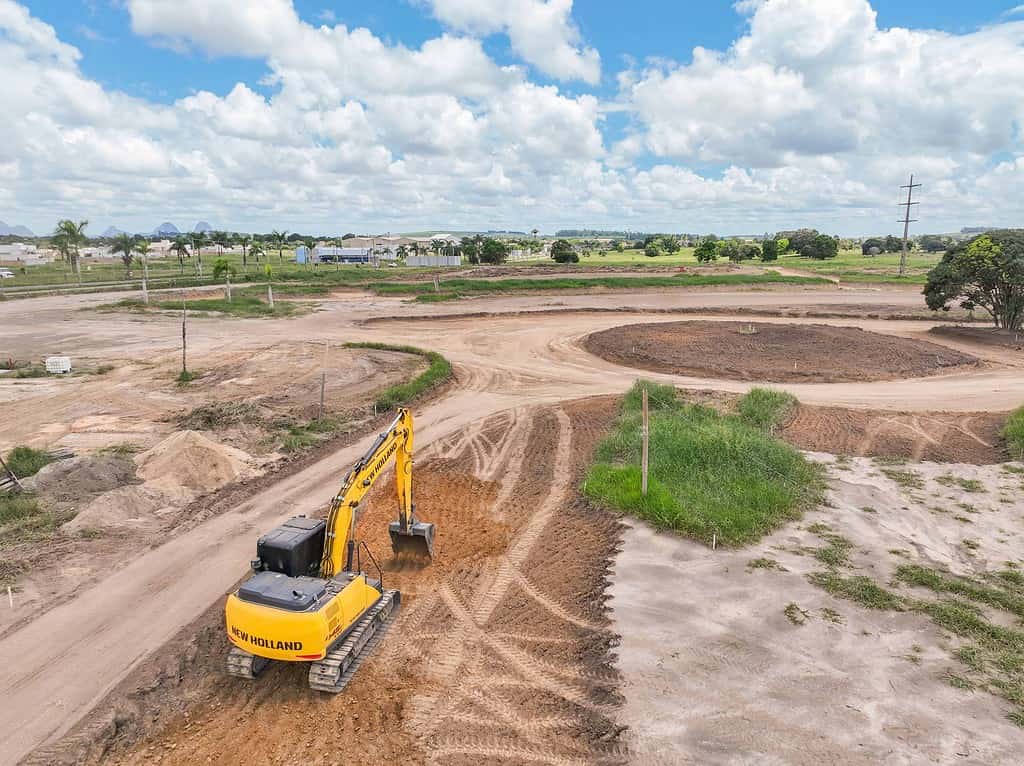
x=503, y=364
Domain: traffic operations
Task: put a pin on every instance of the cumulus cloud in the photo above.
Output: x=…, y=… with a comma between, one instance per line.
x=813, y=116
x=542, y=32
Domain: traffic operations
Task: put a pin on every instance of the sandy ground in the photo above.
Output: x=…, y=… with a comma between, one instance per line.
x=772, y=352
x=715, y=673
x=503, y=364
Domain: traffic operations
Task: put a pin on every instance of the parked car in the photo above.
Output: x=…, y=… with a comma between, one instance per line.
x=6, y=274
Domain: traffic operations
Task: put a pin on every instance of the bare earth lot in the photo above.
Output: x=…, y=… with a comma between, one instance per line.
x=504, y=652
x=771, y=352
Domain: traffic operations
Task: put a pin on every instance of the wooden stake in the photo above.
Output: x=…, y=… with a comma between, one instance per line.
x=10, y=597
x=227, y=287
x=184, y=341
x=646, y=432
x=323, y=380
x=270, y=295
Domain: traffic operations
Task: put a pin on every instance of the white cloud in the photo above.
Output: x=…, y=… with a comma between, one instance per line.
x=350, y=131
x=542, y=32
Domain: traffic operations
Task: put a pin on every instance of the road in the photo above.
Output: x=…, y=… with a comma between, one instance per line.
x=60, y=665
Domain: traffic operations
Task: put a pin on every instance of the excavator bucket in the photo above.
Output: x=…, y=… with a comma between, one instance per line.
x=416, y=539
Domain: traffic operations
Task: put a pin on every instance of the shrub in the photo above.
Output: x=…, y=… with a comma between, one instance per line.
x=25, y=461
x=1013, y=432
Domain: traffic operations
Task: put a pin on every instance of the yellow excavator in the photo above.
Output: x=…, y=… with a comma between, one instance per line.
x=308, y=598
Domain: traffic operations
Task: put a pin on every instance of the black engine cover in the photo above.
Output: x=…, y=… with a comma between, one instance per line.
x=294, y=548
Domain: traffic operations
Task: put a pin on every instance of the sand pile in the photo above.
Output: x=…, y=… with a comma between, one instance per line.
x=134, y=507
x=81, y=478
x=188, y=462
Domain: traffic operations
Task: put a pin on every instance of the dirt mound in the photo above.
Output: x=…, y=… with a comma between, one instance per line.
x=132, y=507
x=188, y=460
x=941, y=437
x=771, y=352
x=81, y=478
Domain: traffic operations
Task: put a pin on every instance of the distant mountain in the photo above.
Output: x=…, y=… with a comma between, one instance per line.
x=166, y=229
x=15, y=231
x=112, y=231
x=202, y=226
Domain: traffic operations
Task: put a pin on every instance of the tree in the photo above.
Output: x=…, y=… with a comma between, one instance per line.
x=706, y=250
x=471, y=248
x=244, y=240
x=731, y=249
x=256, y=249
x=821, y=247
x=350, y=235
x=71, y=235
x=124, y=245
x=563, y=251
x=279, y=238
x=782, y=244
x=872, y=246
x=493, y=251
x=222, y=268
x=933, y=243
x=198, y=240
x=180, y=248
x=798, y=240
x=749, y=252
x=987, y=271
x=670, y=243
x=769, y=250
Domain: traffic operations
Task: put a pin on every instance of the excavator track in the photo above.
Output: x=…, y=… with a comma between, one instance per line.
x=333, y=672
x=241, y=664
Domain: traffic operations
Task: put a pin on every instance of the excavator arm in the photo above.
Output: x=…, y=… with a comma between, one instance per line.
x=407, y=534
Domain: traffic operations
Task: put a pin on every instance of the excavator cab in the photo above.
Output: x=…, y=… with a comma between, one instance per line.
x=413, y=539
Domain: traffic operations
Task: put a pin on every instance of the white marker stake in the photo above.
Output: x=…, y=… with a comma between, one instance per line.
x=10, y=597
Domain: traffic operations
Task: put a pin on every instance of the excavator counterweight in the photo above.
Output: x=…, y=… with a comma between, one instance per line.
x=306, y=601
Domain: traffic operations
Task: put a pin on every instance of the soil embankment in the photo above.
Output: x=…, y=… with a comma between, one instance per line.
x=772, y=352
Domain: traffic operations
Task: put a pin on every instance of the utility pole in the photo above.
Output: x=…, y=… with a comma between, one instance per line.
x=907, y=220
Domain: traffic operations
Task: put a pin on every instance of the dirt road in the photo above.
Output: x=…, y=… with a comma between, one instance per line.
x=69, y=658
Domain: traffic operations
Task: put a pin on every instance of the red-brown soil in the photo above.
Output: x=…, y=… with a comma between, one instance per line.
x=941, y=437
x=771, y=352
x=501, y=653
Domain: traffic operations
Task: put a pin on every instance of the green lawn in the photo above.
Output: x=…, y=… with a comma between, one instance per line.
x=712, y=476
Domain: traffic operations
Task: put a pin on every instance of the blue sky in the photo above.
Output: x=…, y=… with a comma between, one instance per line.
x=654, y=28
x=505, y=113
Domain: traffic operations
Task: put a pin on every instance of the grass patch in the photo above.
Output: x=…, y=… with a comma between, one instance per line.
x=185, y=376
x=439, y=371
x=15, y=507
x=859, y=589
x=31, y=371
x=942, y=582
x=456, y=288
x=26, y=461
x=241, y=305
x=124, y=449
x=795, y=614
x=300, y=437
x=765, y=408
x=836, y=553
x=1013, y=432
x=711, y=475
x=967, y=485
x=216, y=415
x=906, y=479
x=765, y=563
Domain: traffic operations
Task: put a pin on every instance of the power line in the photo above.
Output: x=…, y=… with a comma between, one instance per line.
x=906, y=220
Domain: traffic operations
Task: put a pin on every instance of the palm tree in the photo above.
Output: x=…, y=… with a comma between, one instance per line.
x=180, y=248
x=199, y=239
x=279, y=238
x=124, y=244
x=71, y=235
x=141, y=248
x=256, y=250
x=244, y=240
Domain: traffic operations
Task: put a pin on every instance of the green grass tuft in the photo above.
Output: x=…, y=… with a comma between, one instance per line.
x=1013, y=432
x=766, y=408
x=26, y=461
x=942, y=582
x=711, y=475
x=439, y=371
x=859, y=589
